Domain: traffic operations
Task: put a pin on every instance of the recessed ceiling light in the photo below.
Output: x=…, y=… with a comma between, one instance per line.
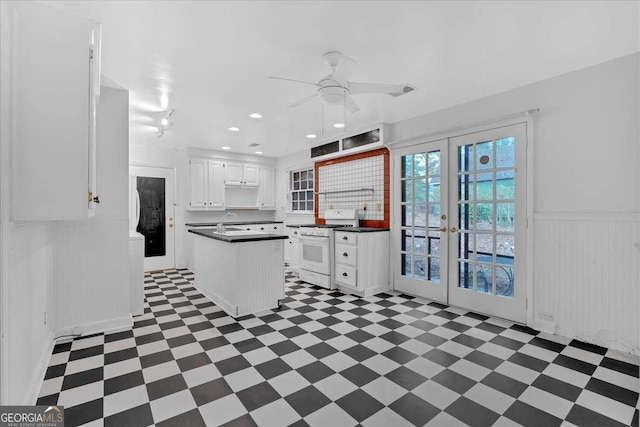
x=258, y=152
x=164, y=122
x=255, y=115
x=226, y=148
x=339, y=125
x=311, y=135
x=234, y=129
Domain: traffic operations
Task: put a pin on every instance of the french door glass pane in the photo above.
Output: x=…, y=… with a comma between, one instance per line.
x=484, y=278
x=505, y=152
x=484, y=155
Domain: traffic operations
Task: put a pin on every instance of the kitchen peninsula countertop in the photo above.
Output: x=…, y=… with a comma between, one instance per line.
x=213, y=224
x=259, y=235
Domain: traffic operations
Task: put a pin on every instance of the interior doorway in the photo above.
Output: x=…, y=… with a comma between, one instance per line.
x=152, y=201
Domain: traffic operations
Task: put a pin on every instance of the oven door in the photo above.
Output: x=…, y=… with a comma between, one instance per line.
x=316, y=254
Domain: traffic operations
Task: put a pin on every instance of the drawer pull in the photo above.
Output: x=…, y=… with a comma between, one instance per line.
x=345, y=274
x=345, y=238
x=345, y=254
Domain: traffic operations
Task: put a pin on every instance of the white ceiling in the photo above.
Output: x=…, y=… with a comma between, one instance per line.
x=212, y=59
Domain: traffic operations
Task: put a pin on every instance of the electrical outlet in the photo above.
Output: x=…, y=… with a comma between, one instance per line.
x=364, y=206
x=330, y=206
x=45, y=317
x=545, y=315
x=379, y=207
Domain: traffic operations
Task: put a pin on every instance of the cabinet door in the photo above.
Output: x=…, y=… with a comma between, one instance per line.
x=267, y=188
x=251, y=175
x=197, y=183
x=51, y=118
x=233, y=174
x=215, y=191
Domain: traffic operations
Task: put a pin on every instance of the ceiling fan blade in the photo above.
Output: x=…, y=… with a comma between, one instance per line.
x=303, y=100
x=393, y=90
x=351, y=105
x=294, y=80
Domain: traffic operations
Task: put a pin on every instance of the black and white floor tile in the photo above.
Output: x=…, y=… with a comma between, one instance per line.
x=329, y=359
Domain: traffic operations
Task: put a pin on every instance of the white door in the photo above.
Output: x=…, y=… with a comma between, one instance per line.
x=460, y=214
x=421, y=220
x=156, y=195
x=488, y=222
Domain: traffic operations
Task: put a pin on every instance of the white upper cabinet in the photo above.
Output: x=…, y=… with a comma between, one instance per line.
x=54, y=82
x=267, y=188
x=198, y=180
x=233, y=174
x=251, y=175
x=206, y=184
x=216, y=185
x=247, y=175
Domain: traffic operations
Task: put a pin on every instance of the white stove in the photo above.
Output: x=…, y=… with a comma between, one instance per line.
x=317, y=241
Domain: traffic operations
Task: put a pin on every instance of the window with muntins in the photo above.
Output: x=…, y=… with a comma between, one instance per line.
x=301, y=188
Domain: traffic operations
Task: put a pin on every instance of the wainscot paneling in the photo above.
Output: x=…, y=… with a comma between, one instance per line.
x=586, y=277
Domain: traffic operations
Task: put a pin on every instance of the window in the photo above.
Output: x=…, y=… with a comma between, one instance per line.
x=301, y=189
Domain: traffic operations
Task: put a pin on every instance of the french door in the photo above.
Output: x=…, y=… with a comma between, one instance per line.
x=461, y=218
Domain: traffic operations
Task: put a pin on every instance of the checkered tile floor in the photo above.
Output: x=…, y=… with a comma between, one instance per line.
x=330, y=359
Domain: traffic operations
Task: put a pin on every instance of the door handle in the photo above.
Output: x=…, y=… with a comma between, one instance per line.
x=345, y=254
x=443, y=229
x=170, y=225
x=453, y=229
x=345, y=274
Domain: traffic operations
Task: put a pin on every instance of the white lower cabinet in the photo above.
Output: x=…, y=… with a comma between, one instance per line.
x=292, y=250
x=362, y=262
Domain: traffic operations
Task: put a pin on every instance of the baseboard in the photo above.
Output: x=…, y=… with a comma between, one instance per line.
x=36, y=381
x=544, y=326
x=105, y=326
x=228, y=308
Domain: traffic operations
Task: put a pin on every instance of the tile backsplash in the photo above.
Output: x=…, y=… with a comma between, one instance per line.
x=349, y=178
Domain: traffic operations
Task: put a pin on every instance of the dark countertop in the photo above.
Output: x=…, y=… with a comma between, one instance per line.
x=293, y=226
x=361, y=229
x=213, y=224
x=210, y=233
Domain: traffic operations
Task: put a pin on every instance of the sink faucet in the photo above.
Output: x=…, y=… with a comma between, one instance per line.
x=220, y=227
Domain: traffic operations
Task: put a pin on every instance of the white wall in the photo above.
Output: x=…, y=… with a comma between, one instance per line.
x=179, y=160
x=25, y=272
x=91, y=275
x=299, y=160
x=586, y=203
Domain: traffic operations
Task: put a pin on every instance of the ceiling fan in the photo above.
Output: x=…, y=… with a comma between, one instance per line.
x=336, y=89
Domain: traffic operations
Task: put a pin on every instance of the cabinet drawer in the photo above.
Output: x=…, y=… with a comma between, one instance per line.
x=346, y=254
x=346, y=275
x=349, y=238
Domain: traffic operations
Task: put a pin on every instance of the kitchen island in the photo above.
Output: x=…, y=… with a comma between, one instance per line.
x=240, y=271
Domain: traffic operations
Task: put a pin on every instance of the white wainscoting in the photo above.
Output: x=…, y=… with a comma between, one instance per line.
x=91, y=275
x=30, y=330
x=586, y=277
